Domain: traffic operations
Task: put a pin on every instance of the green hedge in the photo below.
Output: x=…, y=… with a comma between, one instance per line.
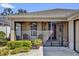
x=17, y=44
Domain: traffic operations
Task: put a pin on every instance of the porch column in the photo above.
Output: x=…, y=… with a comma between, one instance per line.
x=51, y=28
x=71, y=34
x=51, y=33
x=12, y=37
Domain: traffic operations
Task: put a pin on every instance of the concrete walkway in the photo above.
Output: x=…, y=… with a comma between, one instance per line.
x=58, y=51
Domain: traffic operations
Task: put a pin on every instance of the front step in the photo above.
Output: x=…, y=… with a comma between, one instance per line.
x=55, y=43
x=52, y=43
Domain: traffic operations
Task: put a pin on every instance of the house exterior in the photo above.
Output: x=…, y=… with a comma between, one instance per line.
x=56, y=25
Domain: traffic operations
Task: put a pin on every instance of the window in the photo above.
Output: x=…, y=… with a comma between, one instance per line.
x=18, y=30
x=33, y=29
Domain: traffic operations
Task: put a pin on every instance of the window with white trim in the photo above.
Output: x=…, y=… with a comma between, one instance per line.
x=33, y=29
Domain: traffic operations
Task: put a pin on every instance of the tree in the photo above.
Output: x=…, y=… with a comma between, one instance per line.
x=7, y=11
x=22, y=11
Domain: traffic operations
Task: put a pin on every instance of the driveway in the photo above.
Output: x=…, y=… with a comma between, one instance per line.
x=58, y=51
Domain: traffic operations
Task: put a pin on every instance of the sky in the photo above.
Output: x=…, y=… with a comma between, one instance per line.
x=32, y=7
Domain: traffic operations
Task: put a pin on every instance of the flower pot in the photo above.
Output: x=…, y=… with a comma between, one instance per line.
x=36, y=46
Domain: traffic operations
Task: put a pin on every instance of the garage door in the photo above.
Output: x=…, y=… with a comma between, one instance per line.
x=77, y=35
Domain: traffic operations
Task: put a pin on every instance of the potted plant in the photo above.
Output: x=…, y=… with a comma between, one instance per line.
x=37, y=43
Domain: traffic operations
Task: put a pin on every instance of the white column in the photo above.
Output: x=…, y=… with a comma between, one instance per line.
x=12, y=37
x=71, y=34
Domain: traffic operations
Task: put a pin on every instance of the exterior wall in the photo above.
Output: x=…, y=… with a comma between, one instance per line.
x=71, y=34
x=39, y=28
x=26, y=29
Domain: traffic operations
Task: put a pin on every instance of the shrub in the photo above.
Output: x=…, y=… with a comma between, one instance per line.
x=4, y=52
x=3, y=42
x=14, y=44
x=6, y=48
x=27, y=43
x=19, y=50
x=14, y=51
x=17, y=44
x=37, y=42
x=2, y=35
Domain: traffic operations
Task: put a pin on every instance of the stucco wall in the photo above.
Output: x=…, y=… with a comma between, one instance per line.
x=39, y=28
x=26, y=28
